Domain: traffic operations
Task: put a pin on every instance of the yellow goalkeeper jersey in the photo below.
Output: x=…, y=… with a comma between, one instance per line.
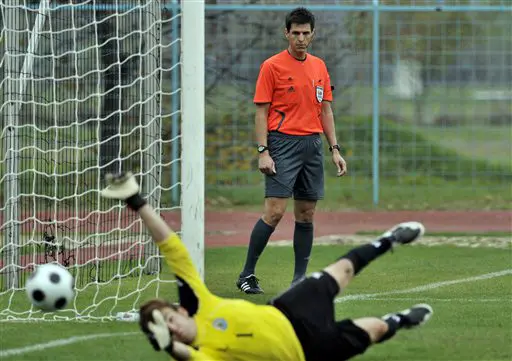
x=229, y=329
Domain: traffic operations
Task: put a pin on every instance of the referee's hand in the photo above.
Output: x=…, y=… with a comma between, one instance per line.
x=340, y=164
x=266, y=164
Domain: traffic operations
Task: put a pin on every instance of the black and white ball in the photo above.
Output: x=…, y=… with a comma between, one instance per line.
x=50, y=287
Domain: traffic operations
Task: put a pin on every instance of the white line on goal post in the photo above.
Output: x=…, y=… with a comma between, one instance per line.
x=426, y=287
x=61, y=342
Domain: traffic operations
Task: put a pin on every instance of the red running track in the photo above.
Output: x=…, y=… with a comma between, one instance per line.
x=233, y=228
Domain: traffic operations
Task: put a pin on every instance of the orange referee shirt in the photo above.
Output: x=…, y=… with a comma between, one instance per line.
x=295, y=90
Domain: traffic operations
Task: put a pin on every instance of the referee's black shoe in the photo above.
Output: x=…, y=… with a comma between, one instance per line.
x=249, y=285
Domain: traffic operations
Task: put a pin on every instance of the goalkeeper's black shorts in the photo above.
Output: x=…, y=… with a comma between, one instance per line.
x=309, y=307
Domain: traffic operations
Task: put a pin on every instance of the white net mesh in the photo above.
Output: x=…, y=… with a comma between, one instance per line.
x=88, y=87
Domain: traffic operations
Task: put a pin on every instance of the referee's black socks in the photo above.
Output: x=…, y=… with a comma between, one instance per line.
x=362, y=255
x=257, y=242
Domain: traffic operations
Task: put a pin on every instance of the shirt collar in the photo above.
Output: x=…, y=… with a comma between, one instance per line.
x=294, y=58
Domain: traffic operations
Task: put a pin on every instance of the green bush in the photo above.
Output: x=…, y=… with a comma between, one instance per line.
x=231, y=158
x=230, y=149
x=404, y=151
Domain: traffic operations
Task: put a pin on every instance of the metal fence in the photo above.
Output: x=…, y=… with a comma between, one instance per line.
x=423, y=98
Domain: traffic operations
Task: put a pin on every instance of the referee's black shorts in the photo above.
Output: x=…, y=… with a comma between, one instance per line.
x=299, y=162
x=309, y=307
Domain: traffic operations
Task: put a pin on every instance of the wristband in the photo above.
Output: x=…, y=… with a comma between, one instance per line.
x=335, y=146
x=135, y=202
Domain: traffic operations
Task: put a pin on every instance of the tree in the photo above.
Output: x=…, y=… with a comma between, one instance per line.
x=432, y=40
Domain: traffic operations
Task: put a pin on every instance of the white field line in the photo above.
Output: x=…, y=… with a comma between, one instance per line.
x=427, y=287
x=61, y=342
x=432, y=299
x=360, y=297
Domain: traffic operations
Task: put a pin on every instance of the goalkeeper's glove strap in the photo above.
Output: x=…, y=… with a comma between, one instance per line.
x=156, y=347
x=169, y=349
x=135, y=202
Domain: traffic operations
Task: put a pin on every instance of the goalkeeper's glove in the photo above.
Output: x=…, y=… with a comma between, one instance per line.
x=160, y=336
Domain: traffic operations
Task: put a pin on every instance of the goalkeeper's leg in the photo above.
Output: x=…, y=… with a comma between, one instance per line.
x=125, y=188
x=353, y=337
x=382, y=329
x=355, y=260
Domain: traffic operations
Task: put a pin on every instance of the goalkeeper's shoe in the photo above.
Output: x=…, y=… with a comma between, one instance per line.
x=249, y=285
x=404, y=233
x=121, y=186
x=415, y=316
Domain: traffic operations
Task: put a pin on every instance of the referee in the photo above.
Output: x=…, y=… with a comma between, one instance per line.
x=293, y=108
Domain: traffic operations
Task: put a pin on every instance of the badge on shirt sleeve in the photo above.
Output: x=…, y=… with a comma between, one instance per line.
x=319, y=93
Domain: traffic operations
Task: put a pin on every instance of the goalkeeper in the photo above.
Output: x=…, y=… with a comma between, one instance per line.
x=297, y=325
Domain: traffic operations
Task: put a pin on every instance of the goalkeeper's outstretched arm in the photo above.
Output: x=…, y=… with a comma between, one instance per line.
x=192, y=288
x=124, y=187
x=157, y=227
x=175, y=253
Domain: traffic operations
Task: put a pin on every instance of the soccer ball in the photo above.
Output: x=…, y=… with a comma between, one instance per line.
x=50, y=287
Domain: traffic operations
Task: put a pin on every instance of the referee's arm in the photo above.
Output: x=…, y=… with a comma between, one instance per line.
x=261, y=127
x=330, y=134
x=263, y=98
x=328, y=123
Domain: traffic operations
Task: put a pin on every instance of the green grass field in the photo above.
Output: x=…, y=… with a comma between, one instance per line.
x=471, y=321
x=485, y=143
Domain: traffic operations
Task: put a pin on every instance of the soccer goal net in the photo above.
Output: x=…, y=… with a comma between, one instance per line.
x=90, y=87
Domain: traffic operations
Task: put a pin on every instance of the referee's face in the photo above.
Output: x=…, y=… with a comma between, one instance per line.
x=299, y=37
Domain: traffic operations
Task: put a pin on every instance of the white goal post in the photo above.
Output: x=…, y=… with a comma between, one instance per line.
x=91, y=87
x=193, y=151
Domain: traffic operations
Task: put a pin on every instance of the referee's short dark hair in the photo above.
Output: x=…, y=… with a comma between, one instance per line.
x=300, y=16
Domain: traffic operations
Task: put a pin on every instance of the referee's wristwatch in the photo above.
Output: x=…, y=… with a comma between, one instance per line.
x=335, y=146
x=262, y=148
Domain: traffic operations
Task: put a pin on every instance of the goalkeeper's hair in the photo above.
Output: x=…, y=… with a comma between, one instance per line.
x=300, y=16
x=146, y=311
